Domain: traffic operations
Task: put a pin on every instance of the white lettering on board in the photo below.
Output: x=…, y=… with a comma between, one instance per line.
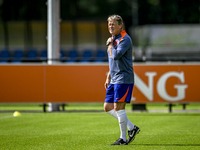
x=161, y=86
x=148, y=92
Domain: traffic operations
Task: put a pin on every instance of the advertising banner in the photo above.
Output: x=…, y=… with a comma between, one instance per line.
x=154, y=83
x=166, y=83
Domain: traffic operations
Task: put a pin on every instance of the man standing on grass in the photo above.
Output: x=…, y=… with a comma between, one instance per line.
x=120, y=79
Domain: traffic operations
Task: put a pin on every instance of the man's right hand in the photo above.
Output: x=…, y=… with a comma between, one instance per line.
x=107, y=81
x=106, y=84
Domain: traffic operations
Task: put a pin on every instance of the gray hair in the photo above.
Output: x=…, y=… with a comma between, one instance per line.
x=117, y=18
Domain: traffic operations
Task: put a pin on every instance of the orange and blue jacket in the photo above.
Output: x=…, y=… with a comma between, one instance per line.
x=120, y=59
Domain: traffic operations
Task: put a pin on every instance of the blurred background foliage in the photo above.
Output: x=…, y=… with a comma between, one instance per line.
x=27, y=19
x=149, y=11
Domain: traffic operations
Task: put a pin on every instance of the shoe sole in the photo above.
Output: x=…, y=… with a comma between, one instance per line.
x=138, y=131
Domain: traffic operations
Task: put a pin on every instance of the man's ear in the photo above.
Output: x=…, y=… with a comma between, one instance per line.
x=121, y=26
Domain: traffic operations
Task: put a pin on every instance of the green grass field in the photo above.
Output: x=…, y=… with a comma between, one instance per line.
x=95, y=131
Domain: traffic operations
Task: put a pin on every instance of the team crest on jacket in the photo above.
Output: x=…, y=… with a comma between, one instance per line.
x=116, y=42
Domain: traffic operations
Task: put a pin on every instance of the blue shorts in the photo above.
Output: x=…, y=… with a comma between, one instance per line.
x=119, y=93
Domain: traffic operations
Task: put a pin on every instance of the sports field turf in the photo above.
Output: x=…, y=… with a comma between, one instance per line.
x=91, y=131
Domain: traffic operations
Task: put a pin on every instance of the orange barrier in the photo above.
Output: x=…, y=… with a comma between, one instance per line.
x=85, y=83
x=166, y=83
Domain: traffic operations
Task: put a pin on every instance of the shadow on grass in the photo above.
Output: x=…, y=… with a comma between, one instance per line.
x=167, y=114
x=166, y=144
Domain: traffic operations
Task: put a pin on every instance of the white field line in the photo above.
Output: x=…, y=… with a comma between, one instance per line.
x=6, y=117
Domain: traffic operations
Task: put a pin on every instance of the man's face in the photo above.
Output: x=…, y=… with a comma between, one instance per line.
x=114, y=28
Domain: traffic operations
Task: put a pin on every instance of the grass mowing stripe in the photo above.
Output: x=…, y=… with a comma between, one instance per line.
x=4, y=117
x=91, y=131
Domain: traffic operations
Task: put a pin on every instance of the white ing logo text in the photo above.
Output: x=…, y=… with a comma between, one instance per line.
x=147, y=90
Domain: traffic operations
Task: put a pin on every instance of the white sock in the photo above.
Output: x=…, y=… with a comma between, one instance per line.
x=122, y=118
x=113, y=113
x=130, y=125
